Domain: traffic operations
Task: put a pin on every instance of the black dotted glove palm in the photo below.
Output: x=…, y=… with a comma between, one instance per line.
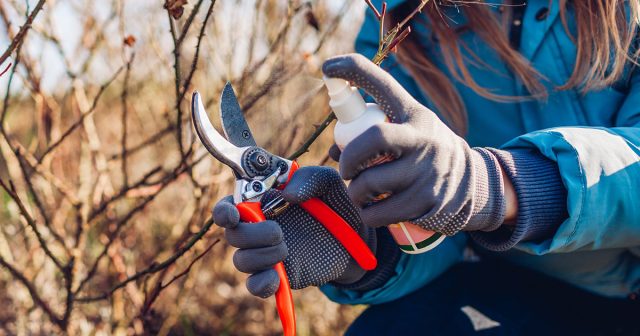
x=312, y=257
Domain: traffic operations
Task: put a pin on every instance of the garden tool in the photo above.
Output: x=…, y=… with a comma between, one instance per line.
x=257, y=171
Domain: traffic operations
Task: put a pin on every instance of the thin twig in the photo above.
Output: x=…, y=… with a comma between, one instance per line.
x=6, y=69
x=36, y=198
x=10, y=190
x=125, y=112
x=35, y=296
x=387, y=43
x=145, y=143
x=374, y=9
x=167, y=180
x=5, y=103
x=312, y=138
x=189, y=21
x=188, y=268
x=177, y=82
x=390, y=40
x=194, y=62
x=78, y=122
x=118, y=226
x=155, y=267
x=123, y=192
x=22, y=33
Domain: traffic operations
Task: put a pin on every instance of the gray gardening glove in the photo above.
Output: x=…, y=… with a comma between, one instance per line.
x=436, y=180
x=312, y=257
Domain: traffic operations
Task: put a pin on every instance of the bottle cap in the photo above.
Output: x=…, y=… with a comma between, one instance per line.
x=346, y=101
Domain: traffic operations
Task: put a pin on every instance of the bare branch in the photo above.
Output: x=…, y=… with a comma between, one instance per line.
x=387, y=44
x=154, y=268
x=177, y=82
x=10, y=190
x=35, y=296
x=125, y=112
x=22, y=33
x=389, y=41
x=78, y=122
x=188, y=268
x=374, y=9
x=194, y=63
x=147, y=142
x=312, y=138
x=6, y=69
x=187, y=24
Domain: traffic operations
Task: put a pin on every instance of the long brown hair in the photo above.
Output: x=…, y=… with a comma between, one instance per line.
x=606, y=31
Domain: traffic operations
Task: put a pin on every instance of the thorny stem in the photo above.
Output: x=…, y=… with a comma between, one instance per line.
x=155, y=267
x=397, y=34
x=387, y=43
x=178, y=77
x=22, y=33
x=84, y=115
x=35, y=296
x=194, y=62
x=125, y=113
x=10, y=190
x=124, y=220
x=5, y=103
x=187, y=24
x=319, y=129
x=188, y=268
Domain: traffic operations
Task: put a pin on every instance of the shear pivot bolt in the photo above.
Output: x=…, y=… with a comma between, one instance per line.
x=259, y=161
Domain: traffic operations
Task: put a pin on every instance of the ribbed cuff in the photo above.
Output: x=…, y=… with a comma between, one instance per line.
x=388, y=254
x=488, y=198
x=541, y=196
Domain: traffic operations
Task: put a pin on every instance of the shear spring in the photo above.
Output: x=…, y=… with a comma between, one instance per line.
x=275, y=207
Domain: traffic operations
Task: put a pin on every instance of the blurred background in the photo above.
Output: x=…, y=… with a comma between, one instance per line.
x=107, y=194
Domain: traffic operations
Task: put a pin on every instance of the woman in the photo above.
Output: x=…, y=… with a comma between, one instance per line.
x=554, y=213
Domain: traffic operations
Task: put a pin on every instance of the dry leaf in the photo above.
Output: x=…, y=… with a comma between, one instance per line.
x=175, y=7
x=129, y=40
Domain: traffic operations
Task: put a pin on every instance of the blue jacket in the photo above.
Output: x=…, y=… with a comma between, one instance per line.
x=593, y=138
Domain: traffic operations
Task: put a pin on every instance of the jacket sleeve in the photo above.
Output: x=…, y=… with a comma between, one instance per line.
x=600, y=168
x=597, y=246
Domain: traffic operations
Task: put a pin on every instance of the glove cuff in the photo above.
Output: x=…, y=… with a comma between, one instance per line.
x=388, y=254
x=489, y=204
x=542, y=200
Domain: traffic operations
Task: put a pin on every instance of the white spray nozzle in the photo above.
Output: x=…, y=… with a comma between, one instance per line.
x=335, y=85
x=346, y=101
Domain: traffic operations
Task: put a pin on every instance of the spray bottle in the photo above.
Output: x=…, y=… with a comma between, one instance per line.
x=354, y=117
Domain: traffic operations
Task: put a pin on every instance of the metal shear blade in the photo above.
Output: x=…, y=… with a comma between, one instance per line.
x=233, y=122
x=215, y=143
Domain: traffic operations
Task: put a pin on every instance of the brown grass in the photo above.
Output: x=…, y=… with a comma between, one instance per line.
x=107, y=193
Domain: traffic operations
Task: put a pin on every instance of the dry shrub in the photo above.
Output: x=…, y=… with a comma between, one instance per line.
x=107, y=193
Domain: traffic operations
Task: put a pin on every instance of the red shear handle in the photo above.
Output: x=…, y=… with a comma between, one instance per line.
x=251, y=212
x=342, y=231
x=338, y=228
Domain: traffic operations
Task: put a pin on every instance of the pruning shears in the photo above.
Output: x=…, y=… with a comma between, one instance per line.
x=256, y=171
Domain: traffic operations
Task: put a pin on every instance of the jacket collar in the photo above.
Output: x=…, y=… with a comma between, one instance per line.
x=533, y=31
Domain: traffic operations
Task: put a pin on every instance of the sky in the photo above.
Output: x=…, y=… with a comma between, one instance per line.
x=66, y=24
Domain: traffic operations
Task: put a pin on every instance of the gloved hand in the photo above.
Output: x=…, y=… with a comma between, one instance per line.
x=312, y=256
x=436, y=180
